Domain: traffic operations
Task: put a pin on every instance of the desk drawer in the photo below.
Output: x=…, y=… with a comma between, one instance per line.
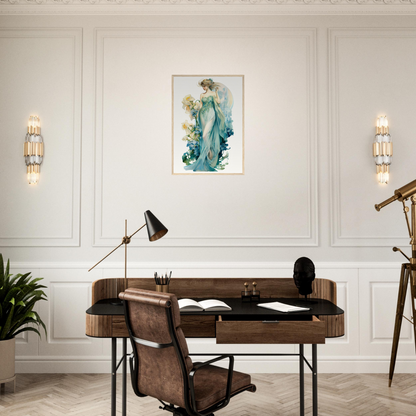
x=198, y=326
x=281, y=332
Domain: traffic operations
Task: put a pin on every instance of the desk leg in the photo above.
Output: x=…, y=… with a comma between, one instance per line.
x=315, y=379
x=113, y=375
x=124, y=377
x=301, y=381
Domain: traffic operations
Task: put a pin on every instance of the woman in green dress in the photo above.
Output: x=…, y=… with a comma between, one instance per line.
x=212, y=123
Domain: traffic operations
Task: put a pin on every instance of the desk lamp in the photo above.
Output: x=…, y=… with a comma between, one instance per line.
x=155, y=230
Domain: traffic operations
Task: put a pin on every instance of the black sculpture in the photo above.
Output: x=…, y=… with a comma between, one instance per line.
x=304, y=275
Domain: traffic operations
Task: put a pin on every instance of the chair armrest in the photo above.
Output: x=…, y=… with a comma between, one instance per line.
x=229, y=379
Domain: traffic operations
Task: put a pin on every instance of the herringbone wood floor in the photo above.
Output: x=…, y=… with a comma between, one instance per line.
x=277, y=394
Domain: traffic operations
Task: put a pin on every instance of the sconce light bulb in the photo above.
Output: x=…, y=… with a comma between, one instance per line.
x=383, y=177
x=33, y=178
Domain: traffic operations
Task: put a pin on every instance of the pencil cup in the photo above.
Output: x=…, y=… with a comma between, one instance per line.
x=162, y=288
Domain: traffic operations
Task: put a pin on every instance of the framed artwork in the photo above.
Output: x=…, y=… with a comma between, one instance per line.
x=208, y=124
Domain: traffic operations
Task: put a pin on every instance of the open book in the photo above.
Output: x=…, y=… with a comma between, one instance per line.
x=190, y=305
x=282, y=307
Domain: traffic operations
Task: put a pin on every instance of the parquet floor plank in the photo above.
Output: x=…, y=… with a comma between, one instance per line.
x=277, y=394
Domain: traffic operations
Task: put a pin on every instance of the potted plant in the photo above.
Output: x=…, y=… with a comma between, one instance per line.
x=18, y=296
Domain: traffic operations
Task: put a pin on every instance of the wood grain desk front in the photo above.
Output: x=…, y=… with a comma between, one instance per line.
x=324, y=323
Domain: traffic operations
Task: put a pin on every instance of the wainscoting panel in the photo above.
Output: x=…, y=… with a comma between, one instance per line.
x=69, y=296
x=366, y=293
x=65, y=326
x=122, y=74
x=347, y=295
x=378, y=300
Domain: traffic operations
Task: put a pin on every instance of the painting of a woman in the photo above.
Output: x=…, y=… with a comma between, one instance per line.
x=208, y=130
x=215, y=126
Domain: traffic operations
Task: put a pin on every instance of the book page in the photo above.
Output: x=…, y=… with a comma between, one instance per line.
x=213, y=303
x=189, y=303
x=282, y=307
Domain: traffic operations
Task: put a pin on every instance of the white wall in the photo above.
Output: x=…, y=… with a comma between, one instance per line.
x=314, y=86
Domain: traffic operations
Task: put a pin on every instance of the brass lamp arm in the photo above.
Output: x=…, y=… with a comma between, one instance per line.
x=144, y=225
x=112, y=251
x=125, y=240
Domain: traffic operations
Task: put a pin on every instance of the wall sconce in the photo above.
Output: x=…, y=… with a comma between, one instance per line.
x=33, y=150
x=382, y=149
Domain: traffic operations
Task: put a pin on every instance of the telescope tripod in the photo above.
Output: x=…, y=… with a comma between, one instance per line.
x=405, y=275
x=408, y=272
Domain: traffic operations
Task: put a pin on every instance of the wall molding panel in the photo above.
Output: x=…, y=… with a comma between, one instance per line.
x=69, y=213
x=339, y=180
x=317, y=74
x=358, y=351
x=306, y=39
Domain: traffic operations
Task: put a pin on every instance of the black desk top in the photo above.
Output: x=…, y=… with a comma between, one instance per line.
x=239, y=308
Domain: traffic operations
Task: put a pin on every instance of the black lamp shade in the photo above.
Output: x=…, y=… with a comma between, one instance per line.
x=155, y=228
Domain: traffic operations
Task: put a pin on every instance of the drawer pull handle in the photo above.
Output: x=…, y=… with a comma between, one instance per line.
x=270, y=322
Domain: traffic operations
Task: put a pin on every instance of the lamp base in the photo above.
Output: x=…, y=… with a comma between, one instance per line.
x=115, y=301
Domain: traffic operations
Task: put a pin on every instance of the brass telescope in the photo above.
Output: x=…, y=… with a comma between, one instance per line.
x=400, y=194
x=408, y=270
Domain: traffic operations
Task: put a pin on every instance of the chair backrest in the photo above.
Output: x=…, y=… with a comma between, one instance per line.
x=159, y=345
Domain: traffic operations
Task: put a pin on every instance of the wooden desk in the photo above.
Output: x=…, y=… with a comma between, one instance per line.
x=239, y=326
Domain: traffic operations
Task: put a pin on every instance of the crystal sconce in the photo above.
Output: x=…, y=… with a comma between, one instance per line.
x=33, y=150
x=382, y=149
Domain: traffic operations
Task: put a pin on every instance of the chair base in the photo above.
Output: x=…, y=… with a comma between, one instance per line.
x=177, y=411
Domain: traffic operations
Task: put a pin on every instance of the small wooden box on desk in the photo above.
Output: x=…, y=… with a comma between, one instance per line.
x=226, y=331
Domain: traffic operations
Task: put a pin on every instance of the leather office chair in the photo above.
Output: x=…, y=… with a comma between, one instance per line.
x=160, y=365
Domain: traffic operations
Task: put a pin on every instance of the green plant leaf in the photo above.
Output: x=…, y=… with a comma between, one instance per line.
x=3, y=333
x=23, y=279
x=18, y=296
x=27, y=328
x=41, y=323
x=7, y=272
x=11, y=294
x=1, y=270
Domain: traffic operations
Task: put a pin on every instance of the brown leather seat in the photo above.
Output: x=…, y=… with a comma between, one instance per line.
x=161, y=366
